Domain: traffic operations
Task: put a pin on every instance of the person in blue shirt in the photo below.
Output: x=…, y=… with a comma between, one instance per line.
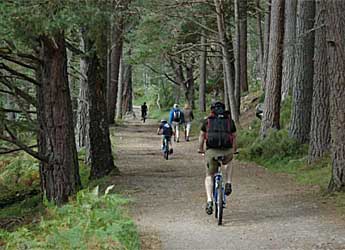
x=176, y=118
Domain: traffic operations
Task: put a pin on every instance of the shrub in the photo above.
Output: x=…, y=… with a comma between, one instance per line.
x=90, y=222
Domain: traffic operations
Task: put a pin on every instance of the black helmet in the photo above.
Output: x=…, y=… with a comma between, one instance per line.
x=218, y=107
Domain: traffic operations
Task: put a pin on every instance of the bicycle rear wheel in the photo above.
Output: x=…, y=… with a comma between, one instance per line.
x=166, y=149
x=219, y=205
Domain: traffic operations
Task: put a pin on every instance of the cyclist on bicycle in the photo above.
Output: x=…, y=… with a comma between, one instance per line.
x=219, y=132
x=143, y=112
x=166, y=131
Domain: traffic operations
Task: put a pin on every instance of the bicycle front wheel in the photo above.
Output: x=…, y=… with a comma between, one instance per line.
x=166, y=149
x=219, y=205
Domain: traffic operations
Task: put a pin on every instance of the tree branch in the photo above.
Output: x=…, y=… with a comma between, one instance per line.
x=13, y=140
x=18, y=91
x=8, y=151
x=16, y=111
x=165, y=74
x=20, y=75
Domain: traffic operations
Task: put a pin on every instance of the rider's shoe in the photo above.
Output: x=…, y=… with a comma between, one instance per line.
x=171, y=151
x=177, y=140
x=187, y=138
x=209, y=207
x=228, y=189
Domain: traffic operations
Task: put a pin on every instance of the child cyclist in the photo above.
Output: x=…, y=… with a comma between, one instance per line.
x=166, y=131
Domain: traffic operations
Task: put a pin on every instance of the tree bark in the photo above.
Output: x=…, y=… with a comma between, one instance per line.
x=60, y=176
x=116, y=52
x=289, y=46
x=320, y=134
x=260, y=34
x=226, y=91
x=336, y=76
x=127, y=90
x=241, y=24
x=82, y=126
x=189, y=86
x=119, y=91
x=202, y=84
x=101, y=159
x=272, y=102
x=102, y=162
x=303, y=72
x=266, y=43
x=227, y=55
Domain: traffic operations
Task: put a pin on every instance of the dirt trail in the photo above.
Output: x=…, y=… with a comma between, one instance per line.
x=266, y=211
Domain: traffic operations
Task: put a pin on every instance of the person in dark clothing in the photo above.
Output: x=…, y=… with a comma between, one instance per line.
x=219, y=132
x=143, y=112
x=166, y=131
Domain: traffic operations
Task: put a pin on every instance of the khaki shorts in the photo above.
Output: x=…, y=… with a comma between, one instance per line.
x=211, y=163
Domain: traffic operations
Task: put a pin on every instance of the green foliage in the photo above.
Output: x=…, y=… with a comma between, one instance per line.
x=18, y=174
x=29, y=19
x=89, y=222
x=279, y=153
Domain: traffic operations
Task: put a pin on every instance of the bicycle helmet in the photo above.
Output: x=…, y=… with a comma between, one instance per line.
x=163, y=121
x=218, y=107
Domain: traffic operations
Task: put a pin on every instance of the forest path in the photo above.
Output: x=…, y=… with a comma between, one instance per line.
x=266, y=210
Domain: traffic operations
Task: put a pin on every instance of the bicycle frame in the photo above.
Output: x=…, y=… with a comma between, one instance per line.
x=217, y=181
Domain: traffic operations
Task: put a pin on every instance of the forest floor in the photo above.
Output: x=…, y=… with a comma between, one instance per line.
x=266, y=210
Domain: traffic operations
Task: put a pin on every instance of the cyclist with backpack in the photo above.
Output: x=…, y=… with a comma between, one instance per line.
x=175, y=119
x=219, y=132
x=166, y=131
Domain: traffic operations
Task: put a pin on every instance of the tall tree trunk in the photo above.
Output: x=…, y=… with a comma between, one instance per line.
x=82, y=126
x=102, y=162
x=271, y=115
x=237, y=49
x=119, y=91
x=226, y=91
x=189, y=86
x=303, y=72
x=289, y=46
x=242, y=44
x=202, y=84
x=320, y=134
x=227, y=58
x=60, y=176
x=116, y=52
x=260, y=34
x=127, y=89
x=336, y=76
x=266, y=43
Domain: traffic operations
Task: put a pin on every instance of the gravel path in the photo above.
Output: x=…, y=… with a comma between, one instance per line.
x=266, y=211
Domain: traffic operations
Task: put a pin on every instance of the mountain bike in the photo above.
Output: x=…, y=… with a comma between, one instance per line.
x=219, y=196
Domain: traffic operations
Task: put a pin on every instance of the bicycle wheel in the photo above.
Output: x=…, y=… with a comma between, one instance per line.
x=166, y=149
x=219, y=205
x=215, y=199
x=166, y=154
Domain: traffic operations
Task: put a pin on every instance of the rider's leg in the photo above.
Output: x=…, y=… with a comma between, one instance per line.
x=211, y=167
x=228, y=171
x=209, y=187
